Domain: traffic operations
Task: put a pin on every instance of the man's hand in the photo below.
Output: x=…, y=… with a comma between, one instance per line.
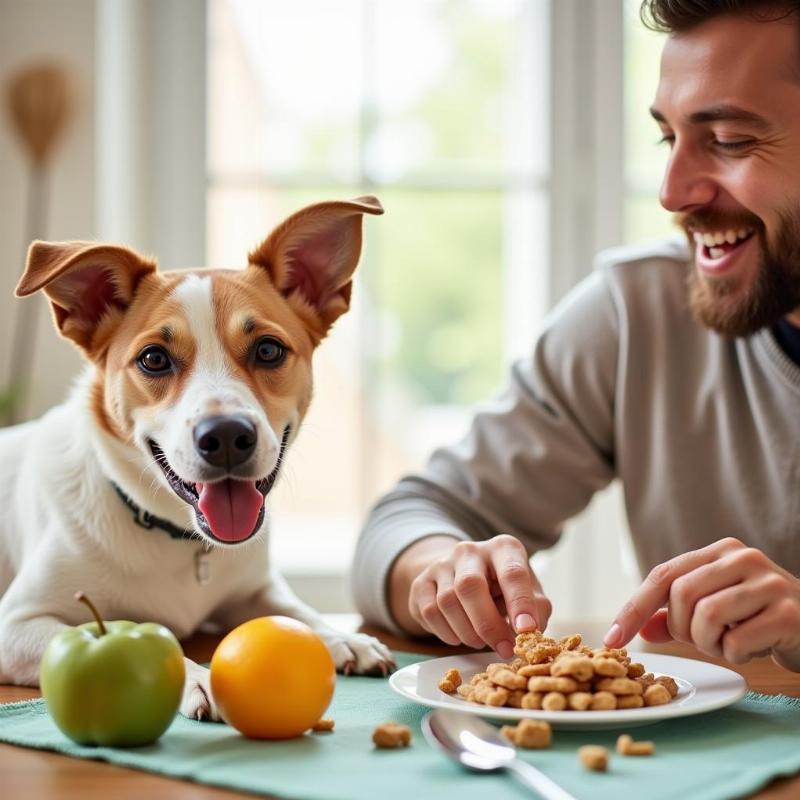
x=464, y=594
x=727, y=599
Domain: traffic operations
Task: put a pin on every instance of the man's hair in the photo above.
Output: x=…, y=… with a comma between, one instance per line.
x=678, y=16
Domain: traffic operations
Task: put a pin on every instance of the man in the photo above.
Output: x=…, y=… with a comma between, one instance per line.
x=674, y=369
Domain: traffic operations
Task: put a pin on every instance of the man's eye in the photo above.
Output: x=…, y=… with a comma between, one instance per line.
x=269, y=352
x=667, y=138
x=733, y=146
x=154, y=360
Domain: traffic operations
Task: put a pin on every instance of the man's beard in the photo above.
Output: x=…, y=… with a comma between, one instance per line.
x=775, y=291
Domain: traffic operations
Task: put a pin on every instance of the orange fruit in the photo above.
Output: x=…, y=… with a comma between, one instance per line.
x=272, y=678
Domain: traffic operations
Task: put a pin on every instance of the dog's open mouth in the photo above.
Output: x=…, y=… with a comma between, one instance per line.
x=230, y=510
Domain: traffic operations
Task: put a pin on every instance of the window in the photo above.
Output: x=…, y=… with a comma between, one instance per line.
x=509, y=141
x=644, y=161
x=441, y=110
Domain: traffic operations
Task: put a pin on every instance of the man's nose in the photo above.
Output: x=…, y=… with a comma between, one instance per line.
x=687, y=181
x=225, y=441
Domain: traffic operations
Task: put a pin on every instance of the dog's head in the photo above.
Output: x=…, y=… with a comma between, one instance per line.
x=207, y=372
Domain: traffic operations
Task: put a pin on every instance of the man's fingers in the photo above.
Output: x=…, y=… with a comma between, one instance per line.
x=525, y=603
x=454, y=614
x=689, y=591
x=721, y=612
x=752, y=638
x=654, y=591
x=472, y=588
x=656, y=629
x=425, y=610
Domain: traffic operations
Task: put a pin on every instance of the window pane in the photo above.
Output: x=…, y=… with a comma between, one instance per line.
x=241, y=215
x=645, y=159
x=408, y=91
x=438, y=283
x=458, y=87
x=272, y=107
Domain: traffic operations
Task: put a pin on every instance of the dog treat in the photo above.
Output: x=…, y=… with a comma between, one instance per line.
x=593, y=756
x=578, y=667
x=554, y=701
x=530, y=734
x=603, y=701
x=563, y=685
x=626, y=746
x=529, y=670
x=609, y=667
x=515, y=698
x=630, y=701
x=648, y=679
x=451, y=681
x=466, y=690
x=391, y=734
x=579, y=701
x=635, y=670
x=570, y=642
x=489, y=694
x=656, y=695
x=668, y=683
x=563, y=675
x=510, y=732
x=323, y=726
x=507, y=678
x=532, y=700
x=619, y=686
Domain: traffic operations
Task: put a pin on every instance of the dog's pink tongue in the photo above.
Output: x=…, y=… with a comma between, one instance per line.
x=231, y=508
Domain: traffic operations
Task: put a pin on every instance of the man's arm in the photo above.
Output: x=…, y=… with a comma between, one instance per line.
x=532, y=459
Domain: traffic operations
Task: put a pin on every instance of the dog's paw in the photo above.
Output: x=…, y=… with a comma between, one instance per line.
x=197, y=702
x=359, y=654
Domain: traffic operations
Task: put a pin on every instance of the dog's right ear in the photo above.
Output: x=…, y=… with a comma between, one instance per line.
x=89, y=286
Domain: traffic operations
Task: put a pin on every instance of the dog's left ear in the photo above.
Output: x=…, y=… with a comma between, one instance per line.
x=312, y=255
x=89, y=286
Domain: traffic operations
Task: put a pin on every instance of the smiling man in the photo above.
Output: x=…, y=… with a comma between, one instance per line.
x=674, y=368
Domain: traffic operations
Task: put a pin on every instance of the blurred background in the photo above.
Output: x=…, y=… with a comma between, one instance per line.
x=508, y=140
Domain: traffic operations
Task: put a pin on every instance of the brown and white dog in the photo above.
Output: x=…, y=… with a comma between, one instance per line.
x=147, y=488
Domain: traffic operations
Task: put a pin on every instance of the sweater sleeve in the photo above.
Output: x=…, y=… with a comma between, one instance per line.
x=532, y=458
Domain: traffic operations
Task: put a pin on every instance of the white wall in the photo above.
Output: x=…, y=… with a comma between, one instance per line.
x=31, y=30
x=131, y=166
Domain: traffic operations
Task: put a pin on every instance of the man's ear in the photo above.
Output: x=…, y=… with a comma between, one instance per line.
x=311, y=256
x=89, y=286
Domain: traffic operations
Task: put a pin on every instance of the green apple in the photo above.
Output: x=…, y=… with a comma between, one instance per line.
x=116, y=683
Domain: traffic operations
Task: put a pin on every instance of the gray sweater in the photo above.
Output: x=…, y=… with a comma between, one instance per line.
x=704, y=433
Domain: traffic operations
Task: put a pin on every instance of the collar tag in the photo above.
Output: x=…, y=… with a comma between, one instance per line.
x=202, y=567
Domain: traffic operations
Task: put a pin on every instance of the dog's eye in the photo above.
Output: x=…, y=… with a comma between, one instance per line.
x=269, y=352
x=154, y=360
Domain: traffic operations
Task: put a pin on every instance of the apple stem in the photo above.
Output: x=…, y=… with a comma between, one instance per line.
x=82, y=598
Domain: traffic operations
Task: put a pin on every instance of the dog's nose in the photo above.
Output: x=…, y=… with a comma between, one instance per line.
x=225, y=441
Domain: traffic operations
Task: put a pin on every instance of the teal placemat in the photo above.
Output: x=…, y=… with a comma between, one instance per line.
x=724, y=754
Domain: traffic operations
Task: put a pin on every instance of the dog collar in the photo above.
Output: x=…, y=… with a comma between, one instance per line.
x=147, y=520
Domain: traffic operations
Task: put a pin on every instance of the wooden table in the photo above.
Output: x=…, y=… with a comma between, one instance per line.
x=26, y=773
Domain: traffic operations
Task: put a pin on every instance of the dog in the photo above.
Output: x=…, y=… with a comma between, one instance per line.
x=146, y=489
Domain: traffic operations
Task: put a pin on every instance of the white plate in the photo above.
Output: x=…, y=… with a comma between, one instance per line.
x=702, y=687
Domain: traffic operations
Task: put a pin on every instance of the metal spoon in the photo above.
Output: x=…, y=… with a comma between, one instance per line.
x=479, y=746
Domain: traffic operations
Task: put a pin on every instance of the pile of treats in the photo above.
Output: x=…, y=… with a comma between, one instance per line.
x=563, y=675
